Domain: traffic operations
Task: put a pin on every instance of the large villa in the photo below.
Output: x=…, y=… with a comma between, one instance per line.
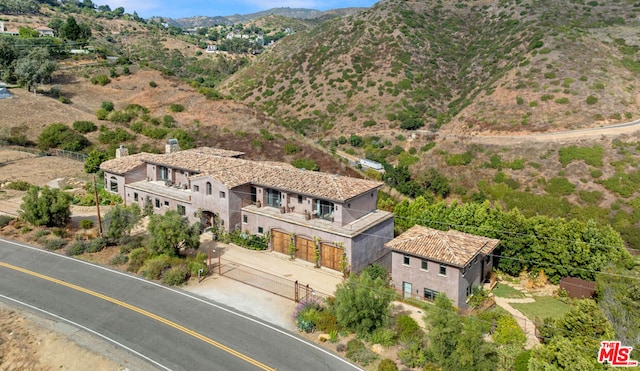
x=315, y=212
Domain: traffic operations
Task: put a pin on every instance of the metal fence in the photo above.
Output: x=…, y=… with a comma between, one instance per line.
x=50, y=152
x=286, y=288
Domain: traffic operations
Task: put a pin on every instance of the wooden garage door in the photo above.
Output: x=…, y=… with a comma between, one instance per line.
x=304, y=249
x=330, y=256
x=280, y=242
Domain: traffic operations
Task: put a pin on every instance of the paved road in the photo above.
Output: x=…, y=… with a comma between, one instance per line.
x=172, y=329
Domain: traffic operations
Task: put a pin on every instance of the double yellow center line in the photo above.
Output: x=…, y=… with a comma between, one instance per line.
x=143, y=312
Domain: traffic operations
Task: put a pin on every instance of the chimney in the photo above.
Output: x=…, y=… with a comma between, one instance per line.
x=171, y=146
x=122, y=151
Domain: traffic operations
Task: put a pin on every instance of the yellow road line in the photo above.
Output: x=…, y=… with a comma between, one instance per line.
x=143, y=312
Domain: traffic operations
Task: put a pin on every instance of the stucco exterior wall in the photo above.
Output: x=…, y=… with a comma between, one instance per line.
x=368, y=247
x=358, y=207
x=421, y=279
x=214, y=202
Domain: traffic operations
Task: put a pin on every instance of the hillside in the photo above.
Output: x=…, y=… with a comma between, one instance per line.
x=357, y=85
x=466, y=67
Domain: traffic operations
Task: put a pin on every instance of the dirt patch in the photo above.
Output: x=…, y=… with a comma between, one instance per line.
x=30, y=342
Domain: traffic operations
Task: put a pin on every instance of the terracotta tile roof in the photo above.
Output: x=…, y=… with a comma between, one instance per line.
x=234, y=172
x=450, y=247
x=124, y=164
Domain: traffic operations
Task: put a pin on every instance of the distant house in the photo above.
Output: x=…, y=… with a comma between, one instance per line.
x=370, y=164
x=8, y=31
x=45, y=31
x=318, y=217
x=211, y=49
x=427, y=261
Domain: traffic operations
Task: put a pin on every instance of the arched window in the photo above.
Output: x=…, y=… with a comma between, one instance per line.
x=113, y=184
x=208, y=188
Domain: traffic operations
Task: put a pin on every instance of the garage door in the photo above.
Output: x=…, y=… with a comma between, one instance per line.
x=305, y=249
x=331, y=256
x=280, y=242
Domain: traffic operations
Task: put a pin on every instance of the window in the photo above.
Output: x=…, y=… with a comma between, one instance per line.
x=260, y=230
x=245, y=219
x=157, y=203
x=135, y=196
x=182, y=210
x=469, y=290
x=164, y=173
x=222, y=194
x=299, y=199
x=196, y=188
x=324, y=209
x=208, y=188
x=430, y=294
x=274, y=198
x=406, y=260
x=424, y=265
x=113, y=184
x=166, y=203
x=443, y=270
x=254, y=197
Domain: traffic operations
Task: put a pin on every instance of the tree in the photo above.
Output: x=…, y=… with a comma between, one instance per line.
x=26, y=32
x=120, y=220
x=73, y=31
x=35, y=68
x=575, y=341
x=471, y=351
x=61, y=136
x=508, y=332
x=49, y=207
x=433, y=181
x=362, y=303
x=93, y=161
x=170, y=231
x=445, y=326
x=618, y=295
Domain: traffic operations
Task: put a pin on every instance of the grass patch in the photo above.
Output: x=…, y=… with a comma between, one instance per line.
x=591, y=155
x=543, y=307
x=505, y=291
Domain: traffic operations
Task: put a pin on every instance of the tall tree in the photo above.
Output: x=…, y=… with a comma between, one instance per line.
x=120, y=220
x=445, y=326
x=362, y=303
x=35, y=68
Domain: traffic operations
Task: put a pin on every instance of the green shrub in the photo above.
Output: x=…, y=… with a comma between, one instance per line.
x=55, y=244
x=86, y=224
x=590, y=197
x=42, y=233
x=387, y=365
x=546, y=97
x=84, y=126
x=102, y=114
x=119, y=259
x=96, y=245
x=291, y=148
x=59, y=232
x=175, y=107
x=307, y=318
x=522, y=361
x=592, y=100
x=563, y=100
x=19, y=185
x=137, y=258
x=327, y=322
x=459, y=159
x=559, y=186
x=77, y=248
x=407, y=328
x=591, y=155
x=107, y=106
x=305, y=163
x=61, y=136
x=358, y=352
x=101, y=80
x=154, y=267
x=5, y=220
x=176, y=276
x=153, y=84
x=25, y=230
x=383, y=336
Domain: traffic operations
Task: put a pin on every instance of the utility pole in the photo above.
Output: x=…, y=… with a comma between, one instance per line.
x=95, y=192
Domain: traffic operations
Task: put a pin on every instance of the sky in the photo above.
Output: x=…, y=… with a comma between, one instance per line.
x=188, y=8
